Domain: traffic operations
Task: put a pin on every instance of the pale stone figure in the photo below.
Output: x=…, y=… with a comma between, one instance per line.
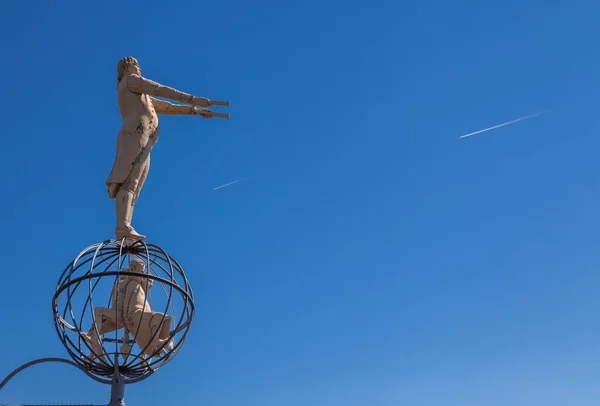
x=130, y=310
x=138, y=134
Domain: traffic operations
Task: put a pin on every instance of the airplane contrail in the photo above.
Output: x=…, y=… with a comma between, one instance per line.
x=505, y=124
x=231, y=183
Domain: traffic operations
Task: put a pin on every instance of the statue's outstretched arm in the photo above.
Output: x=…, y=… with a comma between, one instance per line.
x=164, y=107
x=139, y=84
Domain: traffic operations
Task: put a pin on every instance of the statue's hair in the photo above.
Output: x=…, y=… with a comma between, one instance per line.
x=123, y=65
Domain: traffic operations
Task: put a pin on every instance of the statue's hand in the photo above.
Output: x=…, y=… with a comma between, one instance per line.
x=203, y=112
x=201, y=101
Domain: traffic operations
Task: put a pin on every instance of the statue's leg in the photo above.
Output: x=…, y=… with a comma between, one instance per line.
x=127, y=197
x=141, y=331
x=164, y=333
x=125, y=200
x=103, y=323
x=130, y=190
x=140, y=183
x=126, y=346
x=158, y=332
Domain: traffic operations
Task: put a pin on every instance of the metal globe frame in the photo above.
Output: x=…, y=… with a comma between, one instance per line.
x=109, y=259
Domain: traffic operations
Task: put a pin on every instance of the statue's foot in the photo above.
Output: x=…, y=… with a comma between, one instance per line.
x=128, y=233
x=96, y=347
x=165, y=350
x=91, y=338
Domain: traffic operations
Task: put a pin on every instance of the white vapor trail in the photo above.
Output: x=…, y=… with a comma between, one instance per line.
x=505, y=124
x=231, y=183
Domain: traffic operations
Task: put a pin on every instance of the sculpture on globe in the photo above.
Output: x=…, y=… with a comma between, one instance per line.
x=127, y=336
x=122, y=308
x=139, y=108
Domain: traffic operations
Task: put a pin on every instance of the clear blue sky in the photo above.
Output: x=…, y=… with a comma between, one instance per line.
x=374, y=258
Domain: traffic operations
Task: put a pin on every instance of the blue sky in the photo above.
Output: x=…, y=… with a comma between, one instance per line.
x=374, y=258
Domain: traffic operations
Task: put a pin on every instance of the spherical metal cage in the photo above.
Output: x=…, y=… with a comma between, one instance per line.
x=100, y=272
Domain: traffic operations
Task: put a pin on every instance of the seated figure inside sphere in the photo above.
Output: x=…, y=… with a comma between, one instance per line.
x=131, y=311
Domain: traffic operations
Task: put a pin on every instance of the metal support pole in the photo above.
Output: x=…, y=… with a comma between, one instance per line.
x=117, y=392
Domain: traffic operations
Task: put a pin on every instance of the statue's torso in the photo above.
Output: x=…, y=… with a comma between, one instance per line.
x=136, y=109
x=129, y=295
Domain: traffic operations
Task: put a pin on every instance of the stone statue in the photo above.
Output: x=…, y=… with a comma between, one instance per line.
x=139, y=133
x=130, y=310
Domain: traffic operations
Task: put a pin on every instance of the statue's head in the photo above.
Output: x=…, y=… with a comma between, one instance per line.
x=137, y=266
x=127, y=66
